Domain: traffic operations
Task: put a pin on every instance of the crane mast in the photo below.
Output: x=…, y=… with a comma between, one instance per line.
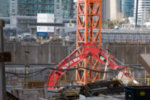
x=89, y=13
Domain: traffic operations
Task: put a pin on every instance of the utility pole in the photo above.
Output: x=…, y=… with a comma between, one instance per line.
x=2, y=66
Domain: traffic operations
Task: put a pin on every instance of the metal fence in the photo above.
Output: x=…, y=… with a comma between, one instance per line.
x=117, y=36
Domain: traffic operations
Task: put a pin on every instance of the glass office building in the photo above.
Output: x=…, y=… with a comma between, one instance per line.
x=22, y=13
x=143, y=11
x=32, y=7
x=67, y=9
x=64, y=9
x=4, y=8
x=127, y=8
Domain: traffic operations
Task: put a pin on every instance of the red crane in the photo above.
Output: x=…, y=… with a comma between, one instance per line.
x=88, y=53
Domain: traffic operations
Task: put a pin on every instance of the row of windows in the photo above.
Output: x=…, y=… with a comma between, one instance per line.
x=37, y=1
x=26, y=21
x=37, y=8
x=33, y=13
x=32, y=10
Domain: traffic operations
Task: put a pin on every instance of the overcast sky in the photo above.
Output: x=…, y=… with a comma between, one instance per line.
x=75, y=0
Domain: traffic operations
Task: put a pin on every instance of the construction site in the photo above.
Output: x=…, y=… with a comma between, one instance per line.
x=98, y=64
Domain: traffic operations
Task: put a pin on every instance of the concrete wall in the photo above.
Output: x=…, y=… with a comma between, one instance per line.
x=50, y=53
x=54, y=52
x=128, y=53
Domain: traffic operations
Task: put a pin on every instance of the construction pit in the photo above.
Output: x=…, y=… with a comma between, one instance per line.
x=93, y=73
x=35, y=85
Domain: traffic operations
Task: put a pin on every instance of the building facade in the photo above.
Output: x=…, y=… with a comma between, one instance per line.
x=110, y=9
x=142, y=11
x=32, y=7
x=127, y=8
x=64, y=9
x=4, y=8
x=23, y=13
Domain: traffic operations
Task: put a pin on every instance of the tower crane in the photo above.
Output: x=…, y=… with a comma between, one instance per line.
x=88, y=53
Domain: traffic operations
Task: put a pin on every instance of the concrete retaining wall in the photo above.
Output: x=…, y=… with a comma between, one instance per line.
x=54, y=52
x=50, y=53
x=128, y=53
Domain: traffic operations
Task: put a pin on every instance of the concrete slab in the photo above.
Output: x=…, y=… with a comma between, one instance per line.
x=145, y=61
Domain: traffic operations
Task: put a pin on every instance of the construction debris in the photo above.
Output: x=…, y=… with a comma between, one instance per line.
x=11, y=96
x=66, y=94
x=144, y=59
x=36, y=84
x=102, y=87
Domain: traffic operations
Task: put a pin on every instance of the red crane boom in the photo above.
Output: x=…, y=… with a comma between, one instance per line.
x=89, y=50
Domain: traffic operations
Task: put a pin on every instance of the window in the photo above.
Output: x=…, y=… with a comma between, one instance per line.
x=13, y=10
x=13, y=5
x=57, y=1
x=57, y=12
x=57, y=6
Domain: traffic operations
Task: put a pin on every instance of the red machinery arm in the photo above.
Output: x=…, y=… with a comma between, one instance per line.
x=70, y=61
x=67, y=63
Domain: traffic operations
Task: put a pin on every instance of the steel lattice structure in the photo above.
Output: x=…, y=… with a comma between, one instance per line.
x=89, y=14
